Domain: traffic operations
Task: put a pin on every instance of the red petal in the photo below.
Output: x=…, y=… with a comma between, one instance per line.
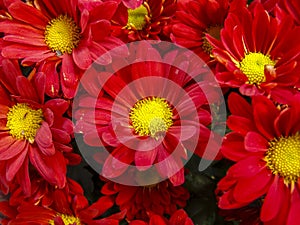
x=69, y=75
x=274, y=200
x=82, y=56
x=52, y=168
x=239, y=106
x=156, y=220
x=254, y=142
x=28, y=14
x=233, y=147
x=247, y=167
x=14, y=165
x=295, y=208
x=251, y=188
x=144, y=159
x=117, y=162
x=265, y=114
x=44, y=140
x=11, y=147
x=26, y=89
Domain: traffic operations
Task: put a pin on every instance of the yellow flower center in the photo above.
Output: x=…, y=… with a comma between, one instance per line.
x=213, y=31
x=137, y=17
x=151, y=117
x=23, y=121
x=253, y=66
x=62, y=34
x=283, y=157
x=67, y=220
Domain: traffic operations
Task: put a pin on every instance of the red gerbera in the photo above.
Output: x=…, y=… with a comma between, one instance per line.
x=261, y=53
x=265, y=144
x=142, y=201
x=147, y=115
x=33, y=132
x=144, y=22
x=179, y=217
x=196, y=18
x=59, y=36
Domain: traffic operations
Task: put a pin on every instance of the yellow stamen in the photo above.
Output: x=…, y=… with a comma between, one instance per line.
x=151, y=117
x=137, y=17
x=253, y=66
x=62, y=34
x=283, y=158
x=213, y=31
x=23, y=121
x=67, y=220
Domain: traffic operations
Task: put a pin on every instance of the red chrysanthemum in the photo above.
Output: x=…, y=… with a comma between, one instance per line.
x=78, y=212
x=260, y=52
x=144, y=22
x=196, y=18
x=140, y=202
x=147, y=115
x=33, y=132
x=60, y=37
x=265, y=144
x=45, y=194
x=179, y=217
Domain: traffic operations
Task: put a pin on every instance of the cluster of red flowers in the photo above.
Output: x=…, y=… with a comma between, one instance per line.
x=60, y=78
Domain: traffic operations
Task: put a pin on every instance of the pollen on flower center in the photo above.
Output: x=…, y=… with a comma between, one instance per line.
x=283, y=157
x=253, y=66
x=62, y=34
x=23, y=121
x=151, y=116
x=137, y=17
x=67, y=219
x=213, y=31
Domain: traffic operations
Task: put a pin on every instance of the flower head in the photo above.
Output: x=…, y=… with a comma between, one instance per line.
x=147, y=115
x=264, y=143
x=60, y=38
x=259, y=52
x=34, y=132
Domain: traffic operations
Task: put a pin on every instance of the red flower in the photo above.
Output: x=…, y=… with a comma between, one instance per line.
x=196, y=18
x=144, y=22
x=261, y=53
x=265, y=144
x=178, y=218
x=34, y=133
x=77, y=212
x=44, y=194
x=60, y=37
x=142, y=201
x=141, y=117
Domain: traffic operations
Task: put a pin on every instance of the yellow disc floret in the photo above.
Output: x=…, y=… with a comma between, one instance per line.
x=137, y=17
x=23, y=121
x=283, y=157
x=151, y=117
x=253, y=66
x=67, y=220
x=62, y=34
